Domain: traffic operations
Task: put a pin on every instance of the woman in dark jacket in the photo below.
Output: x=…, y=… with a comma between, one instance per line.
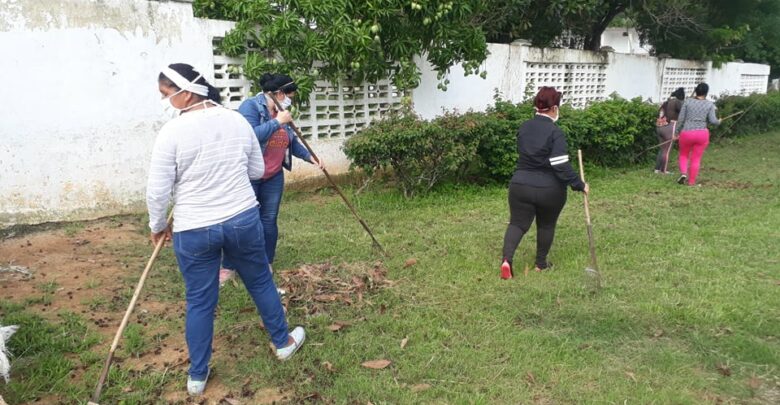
x=538, y=187
x=668, y=114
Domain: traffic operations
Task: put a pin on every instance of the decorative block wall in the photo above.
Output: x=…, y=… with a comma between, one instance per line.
x=332, y=111
x=752, y=84
x=580, y=83
x=674, y=77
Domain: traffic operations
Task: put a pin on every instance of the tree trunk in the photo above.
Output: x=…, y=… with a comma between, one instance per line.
x=593, y=40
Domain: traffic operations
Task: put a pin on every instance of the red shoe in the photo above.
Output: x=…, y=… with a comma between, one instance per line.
x=506, y=270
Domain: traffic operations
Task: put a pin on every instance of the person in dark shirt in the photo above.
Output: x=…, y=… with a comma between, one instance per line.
x=668, y=114
x=538, y=187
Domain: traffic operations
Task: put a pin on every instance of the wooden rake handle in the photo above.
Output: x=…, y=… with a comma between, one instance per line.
x=128, y=312
x=582, y=177
x=330, y=179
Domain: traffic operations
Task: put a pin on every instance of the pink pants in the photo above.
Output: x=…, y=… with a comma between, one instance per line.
x=692, y=143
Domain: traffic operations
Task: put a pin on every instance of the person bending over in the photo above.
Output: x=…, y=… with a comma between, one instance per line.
x=279, y=144
x=205, y=157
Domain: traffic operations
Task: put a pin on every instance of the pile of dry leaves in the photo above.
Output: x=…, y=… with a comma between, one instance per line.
x=312, y=287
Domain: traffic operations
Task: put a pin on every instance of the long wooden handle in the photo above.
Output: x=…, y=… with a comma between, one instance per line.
x=591, y=242
x=732, y=115
x=128, y=312
x=327, y=175
x=582, y=177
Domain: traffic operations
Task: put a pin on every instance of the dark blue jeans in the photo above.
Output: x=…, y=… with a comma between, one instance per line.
x=198, y=251
x=269, y=195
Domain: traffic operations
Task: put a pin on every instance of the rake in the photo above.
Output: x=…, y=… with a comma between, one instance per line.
x=593, y=269
x=330, y=179
x=128, y=312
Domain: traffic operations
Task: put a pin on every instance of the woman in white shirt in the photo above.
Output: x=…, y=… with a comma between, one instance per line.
x=205, y=157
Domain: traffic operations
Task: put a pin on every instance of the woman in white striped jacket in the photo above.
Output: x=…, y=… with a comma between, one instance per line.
x=205, y=157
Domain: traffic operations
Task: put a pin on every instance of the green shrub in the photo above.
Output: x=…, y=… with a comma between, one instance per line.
x=612, y=133
x=498, y=133
x=762, y=113
x=420, y=153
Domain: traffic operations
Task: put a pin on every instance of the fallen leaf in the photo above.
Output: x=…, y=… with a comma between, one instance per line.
x=404, y=341
x=525, y=271
x=631, y=375
x=382, y=309
x=232, y=401
x=376, y=364
x=420, y=387
x=328, y=366
x=754, y=383
x=658, y=333
x=410, y=262
x=335, y=327
x=530, y=377
x=326, y=297
x=724, y=369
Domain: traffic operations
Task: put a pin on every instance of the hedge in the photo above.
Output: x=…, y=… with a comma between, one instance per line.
x=612, y=133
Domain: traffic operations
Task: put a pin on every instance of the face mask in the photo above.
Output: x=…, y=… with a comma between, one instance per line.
x=286, y=103
x=557, y=115
x=168, y=107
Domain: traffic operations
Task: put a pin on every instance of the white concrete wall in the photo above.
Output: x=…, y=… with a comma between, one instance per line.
x=81, y=108
x=624, y=40
x=628, y=75
x=634, y=76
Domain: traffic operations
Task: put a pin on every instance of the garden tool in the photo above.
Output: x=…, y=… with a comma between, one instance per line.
x=327, y=175
x=593, y=269
x=128, y=312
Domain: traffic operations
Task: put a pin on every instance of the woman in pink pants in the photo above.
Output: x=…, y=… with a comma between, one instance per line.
x=694, y=136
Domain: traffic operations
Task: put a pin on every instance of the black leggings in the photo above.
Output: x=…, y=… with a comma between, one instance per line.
x=527, y=203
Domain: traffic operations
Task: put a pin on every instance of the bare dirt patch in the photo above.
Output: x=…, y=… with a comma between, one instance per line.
x=84, y=270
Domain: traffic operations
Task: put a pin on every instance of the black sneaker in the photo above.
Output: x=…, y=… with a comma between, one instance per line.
x=683, y=178
x=547, y=267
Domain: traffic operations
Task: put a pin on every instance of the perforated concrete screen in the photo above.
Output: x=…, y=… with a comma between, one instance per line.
x=580, y=83
x=750, y=84
x=675, y=77
x=333, y=111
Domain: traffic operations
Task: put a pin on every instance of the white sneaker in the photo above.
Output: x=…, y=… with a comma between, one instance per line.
x=197, y=387
x=225, y=275
x=299, y=336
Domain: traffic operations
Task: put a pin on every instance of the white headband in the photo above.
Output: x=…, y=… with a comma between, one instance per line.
x=185, y=84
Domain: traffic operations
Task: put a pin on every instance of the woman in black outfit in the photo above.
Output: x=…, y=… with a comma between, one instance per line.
x=538, y=187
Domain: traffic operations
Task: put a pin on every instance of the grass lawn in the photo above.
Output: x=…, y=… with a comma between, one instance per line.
x=690, y=310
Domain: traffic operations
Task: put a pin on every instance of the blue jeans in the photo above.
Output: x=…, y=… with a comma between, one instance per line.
x=198, y=251
x=269, y=195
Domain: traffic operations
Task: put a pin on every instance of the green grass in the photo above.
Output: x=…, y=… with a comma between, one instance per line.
x=691, y=294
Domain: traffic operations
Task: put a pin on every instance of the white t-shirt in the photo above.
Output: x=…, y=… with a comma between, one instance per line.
x=205, y=158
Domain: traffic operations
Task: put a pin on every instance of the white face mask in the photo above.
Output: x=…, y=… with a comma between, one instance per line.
x=557, y=114
x=168, y=107
x=286, y=103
